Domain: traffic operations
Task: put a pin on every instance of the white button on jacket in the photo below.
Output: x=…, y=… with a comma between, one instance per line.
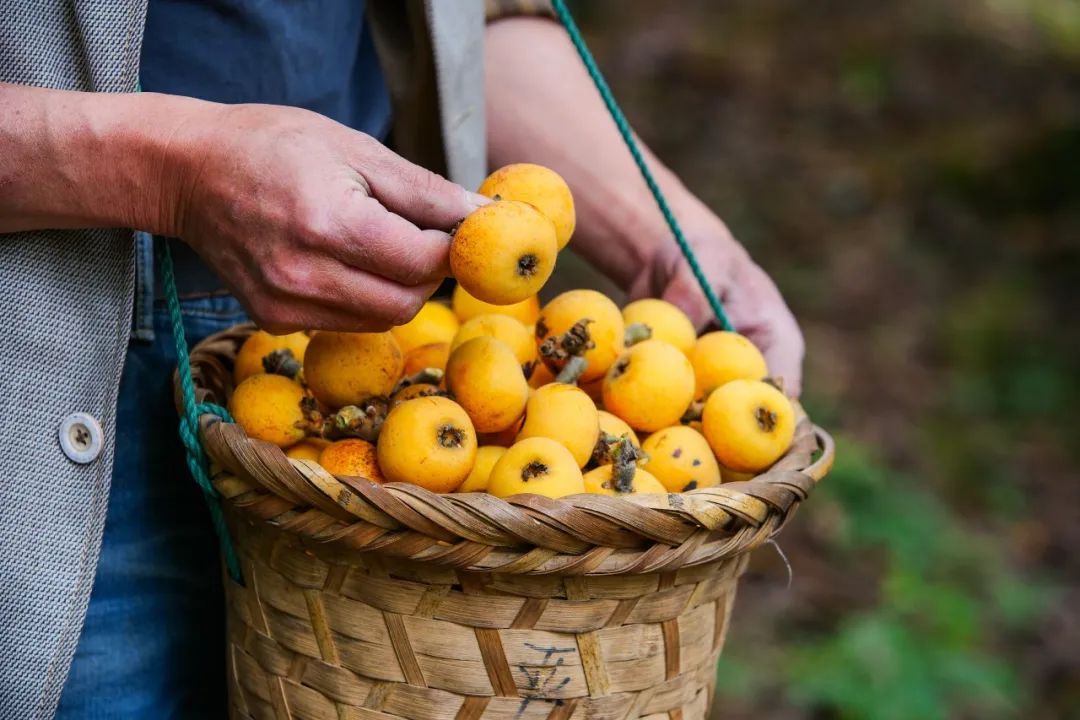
x=80, y=438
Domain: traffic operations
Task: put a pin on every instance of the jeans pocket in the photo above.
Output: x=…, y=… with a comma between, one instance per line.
x=202, y=316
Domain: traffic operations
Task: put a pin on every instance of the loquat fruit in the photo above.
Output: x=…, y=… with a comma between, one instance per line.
x=430, y=356
x=600, y=481
x=268, y=407
x=722, y=356
x=435, y=323
x=503, y=252
x=410, y=392
x=353, y=457
x=604, y=325
x=536, y=465
x=501, y=327
x=540, y=187
x=566, y=414
x=664, y=321
x=680, y=458
x=429, y=442
x=649, y=386
x=484, y=375
x=259, y=344
x=749, y=424
x=307, y=449
x=486, y=457
x=616, y=427
x=728, y=475
x=466, y=307
x=348, y=368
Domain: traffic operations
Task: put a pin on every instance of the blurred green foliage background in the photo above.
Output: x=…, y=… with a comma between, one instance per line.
x=909, y=173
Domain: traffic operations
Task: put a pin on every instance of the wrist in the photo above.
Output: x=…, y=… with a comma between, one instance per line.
x=635, y=234
x=156, y=152
x=77, y=159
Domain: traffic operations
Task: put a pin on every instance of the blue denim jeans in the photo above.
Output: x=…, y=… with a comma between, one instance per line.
x=154, y=639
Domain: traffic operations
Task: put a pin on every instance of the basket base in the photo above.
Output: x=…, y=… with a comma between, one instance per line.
x=321, y=633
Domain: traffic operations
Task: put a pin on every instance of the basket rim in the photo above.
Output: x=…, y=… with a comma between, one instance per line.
x=578, y=534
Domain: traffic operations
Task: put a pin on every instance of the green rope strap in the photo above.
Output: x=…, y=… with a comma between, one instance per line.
x=635, y=151
x=197, y=461
x=189, y=422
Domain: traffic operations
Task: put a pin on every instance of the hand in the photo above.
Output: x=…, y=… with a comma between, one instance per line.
x=309, y=223
x=750, y=297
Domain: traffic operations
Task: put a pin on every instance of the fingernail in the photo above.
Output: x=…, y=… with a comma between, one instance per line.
x=476, y=200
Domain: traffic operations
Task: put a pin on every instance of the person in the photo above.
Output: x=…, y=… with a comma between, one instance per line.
x=259, y=150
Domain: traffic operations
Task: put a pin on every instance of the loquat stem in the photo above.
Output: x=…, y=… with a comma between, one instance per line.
x=637, y=332
x=362, y=421
x=601, y=454
x=557, y=349
x=625, y=466
x=572, y=370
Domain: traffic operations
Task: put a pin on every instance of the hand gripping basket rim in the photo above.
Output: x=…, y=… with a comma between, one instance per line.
x=525, y=534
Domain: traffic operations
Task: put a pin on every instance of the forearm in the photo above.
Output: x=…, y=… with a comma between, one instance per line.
x=543, y=108
x=74, y=159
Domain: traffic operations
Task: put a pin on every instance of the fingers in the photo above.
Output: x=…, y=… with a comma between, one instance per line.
x=366, y=236
x=318, y=292
x=416, y=194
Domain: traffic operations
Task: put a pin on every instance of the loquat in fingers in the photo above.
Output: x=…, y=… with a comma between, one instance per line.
x=503, y=252
x=540, y=187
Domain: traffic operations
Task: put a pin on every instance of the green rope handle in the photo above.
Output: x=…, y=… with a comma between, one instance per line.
x=631, y=144
x=197, y=461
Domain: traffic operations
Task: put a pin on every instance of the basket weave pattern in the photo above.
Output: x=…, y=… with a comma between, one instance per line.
x=388, y=601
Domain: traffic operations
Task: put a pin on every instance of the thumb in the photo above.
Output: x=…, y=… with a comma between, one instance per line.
x=416, y=194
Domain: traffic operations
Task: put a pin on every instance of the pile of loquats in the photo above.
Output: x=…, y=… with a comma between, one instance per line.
x=497, y=394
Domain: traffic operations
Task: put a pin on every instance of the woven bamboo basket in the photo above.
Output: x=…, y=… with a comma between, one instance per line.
x=388, y=601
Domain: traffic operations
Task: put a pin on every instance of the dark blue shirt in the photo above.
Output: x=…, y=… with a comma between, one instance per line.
x=313, y=54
